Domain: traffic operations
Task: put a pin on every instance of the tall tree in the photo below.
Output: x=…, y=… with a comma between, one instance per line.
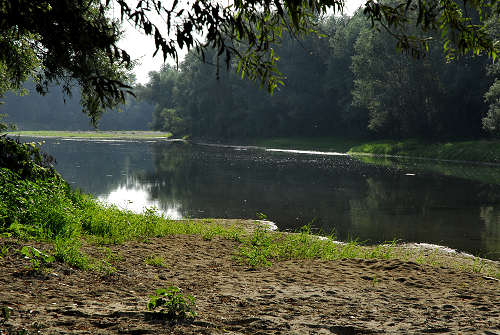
x=491, y=122
x=74, y=40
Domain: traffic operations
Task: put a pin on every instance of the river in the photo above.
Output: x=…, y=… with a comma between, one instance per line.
x=450, y=204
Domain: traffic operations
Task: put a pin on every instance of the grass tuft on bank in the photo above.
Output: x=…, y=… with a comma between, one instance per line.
x=262, y=248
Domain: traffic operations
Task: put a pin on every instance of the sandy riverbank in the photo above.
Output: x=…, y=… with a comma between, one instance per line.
x=291, y=297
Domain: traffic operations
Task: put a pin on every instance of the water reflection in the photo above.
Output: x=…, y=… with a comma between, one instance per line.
x=374, y=202
x=136, y=197
x=490, y=236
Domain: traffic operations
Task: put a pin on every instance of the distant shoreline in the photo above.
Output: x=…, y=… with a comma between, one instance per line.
x=117, y=134
x=471, y=151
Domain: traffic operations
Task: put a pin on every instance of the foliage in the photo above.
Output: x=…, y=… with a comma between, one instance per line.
x=4, y=251
x=262, y=247
x=154, y=260
x=351, y=84
x=38, y=259
x=26, y=159
x=247, y=29
x=68, y=41
x=172, y=303
x=397, y=106
x=170, y=121
x=64, y=42
x=256, y=250
x=491, y=122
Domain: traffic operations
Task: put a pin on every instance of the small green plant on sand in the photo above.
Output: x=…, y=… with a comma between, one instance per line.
x=257, y=249
x=156, y=261
x=4, y=251
x=172, y=303
x=5, y=311
x=38, y=259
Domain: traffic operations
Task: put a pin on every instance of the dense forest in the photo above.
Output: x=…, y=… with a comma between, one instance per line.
x=347, y=81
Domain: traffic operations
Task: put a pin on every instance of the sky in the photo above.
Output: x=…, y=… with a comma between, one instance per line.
x=142, y=48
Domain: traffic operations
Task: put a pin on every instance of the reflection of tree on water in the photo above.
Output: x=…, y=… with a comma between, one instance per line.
x=213, y=182
x=490, y=236
x=409, y=208
x=485, y=173
x=98, y=167
x=114, y=171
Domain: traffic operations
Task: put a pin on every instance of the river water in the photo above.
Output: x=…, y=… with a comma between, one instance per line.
x=450, y=204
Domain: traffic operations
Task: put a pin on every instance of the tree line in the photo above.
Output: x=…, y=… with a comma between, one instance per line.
x=347, y=81
x=55, y=111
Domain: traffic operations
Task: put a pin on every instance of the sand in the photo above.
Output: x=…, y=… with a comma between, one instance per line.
x=290, y=297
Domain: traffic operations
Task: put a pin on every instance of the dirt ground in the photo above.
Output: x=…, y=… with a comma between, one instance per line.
x=291, y=297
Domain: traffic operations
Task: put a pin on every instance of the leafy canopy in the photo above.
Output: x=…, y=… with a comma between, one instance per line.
x=64, y=41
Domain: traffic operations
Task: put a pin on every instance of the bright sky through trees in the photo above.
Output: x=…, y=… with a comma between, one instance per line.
x=141, y=48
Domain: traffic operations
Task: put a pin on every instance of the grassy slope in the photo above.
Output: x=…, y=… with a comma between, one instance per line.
x=93, y=134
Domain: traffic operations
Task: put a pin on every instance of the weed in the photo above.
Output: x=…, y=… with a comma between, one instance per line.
x=172, y=303
x=382, y=251
x=104, y=267
x=68, y=250
x=38, y=259
x=261, y=216
x=4, y=251
x=257, y=249
x=477, y=265
x=111, y=256
x=155, y=261
x=5, y=313
x=209, y=234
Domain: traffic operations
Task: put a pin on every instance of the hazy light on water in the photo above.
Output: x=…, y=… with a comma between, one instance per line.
x=136, y=198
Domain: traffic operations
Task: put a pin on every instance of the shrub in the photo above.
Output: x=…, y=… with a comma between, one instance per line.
x=172, y=303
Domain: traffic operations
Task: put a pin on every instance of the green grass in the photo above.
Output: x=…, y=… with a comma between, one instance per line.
x=48, y=210
x=476, y=151
x=92, y=134
x=155, y=261
x=262, y=248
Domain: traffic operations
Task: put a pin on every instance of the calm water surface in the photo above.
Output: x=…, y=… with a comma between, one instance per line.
x=373, y=201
